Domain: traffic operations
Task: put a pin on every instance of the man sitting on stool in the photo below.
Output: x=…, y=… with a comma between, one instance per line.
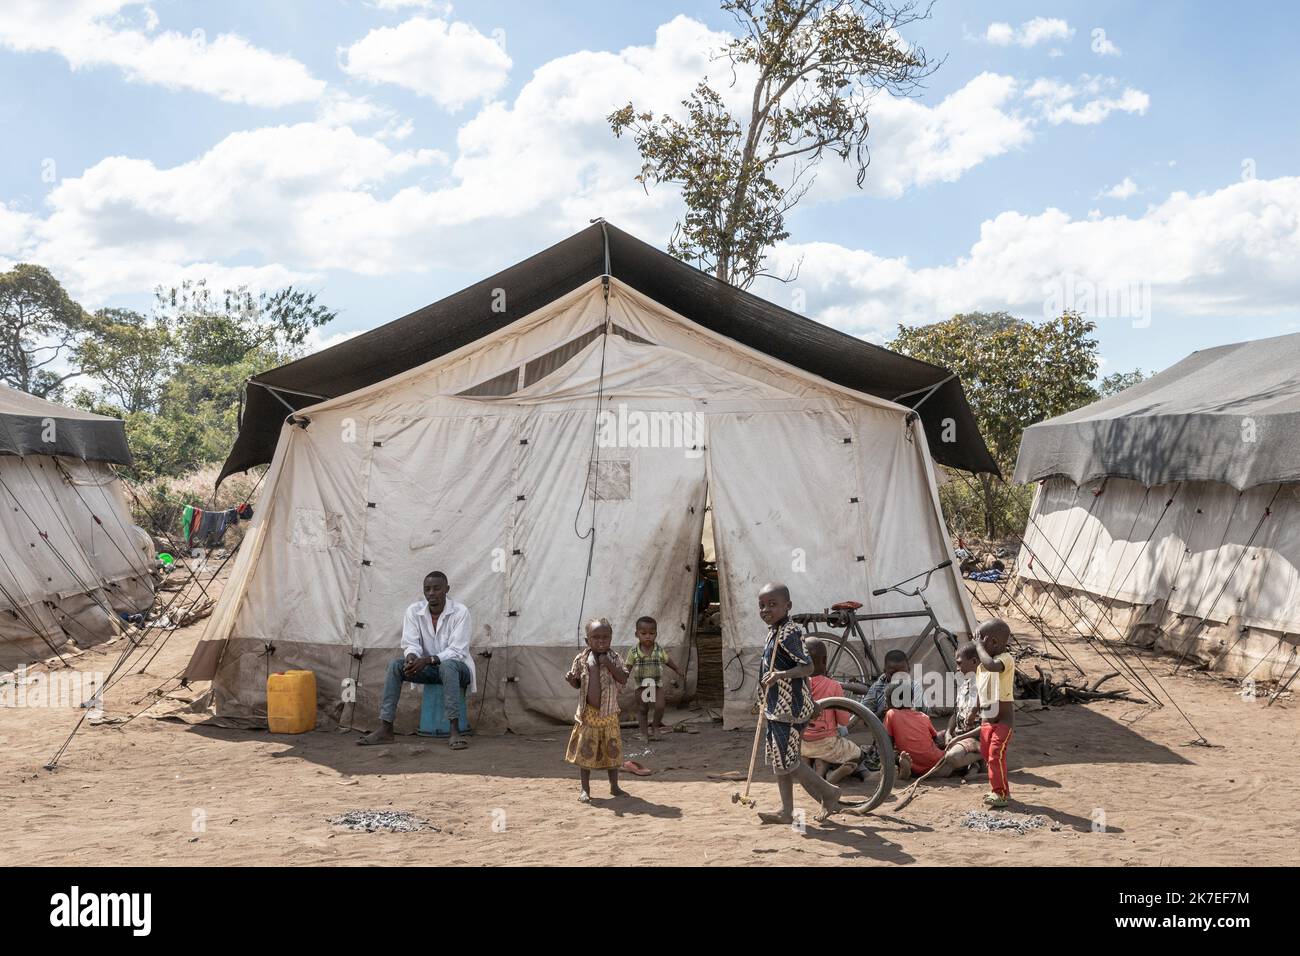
x=435, y=645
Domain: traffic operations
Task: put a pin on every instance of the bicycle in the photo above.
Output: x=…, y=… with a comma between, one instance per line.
x=845, y=664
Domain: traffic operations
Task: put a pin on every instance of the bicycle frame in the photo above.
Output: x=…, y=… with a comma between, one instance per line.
x=851, y=622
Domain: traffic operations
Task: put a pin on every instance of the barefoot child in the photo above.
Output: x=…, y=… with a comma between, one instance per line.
x=645, y=667
x=915, y=739
x=787, y=705
x=996, y=678
x=595, y=743
x=959, y=743
x=822, y=742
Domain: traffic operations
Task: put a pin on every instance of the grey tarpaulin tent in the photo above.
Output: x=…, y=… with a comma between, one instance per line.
x=70, y=559
x=484, y=443
x=1173, y=506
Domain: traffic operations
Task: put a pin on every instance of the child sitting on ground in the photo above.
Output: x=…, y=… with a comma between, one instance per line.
x=885, y=687
x=595, y=743
x=787, y=705
x=960, y=742
x=915, y=739
x=645, y=667
x=823, y=744
x=996, y=679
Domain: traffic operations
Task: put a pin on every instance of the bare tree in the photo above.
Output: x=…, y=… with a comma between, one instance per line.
x=810, y=69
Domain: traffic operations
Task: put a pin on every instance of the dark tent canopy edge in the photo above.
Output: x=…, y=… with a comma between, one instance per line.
x=467, y=316
x=33, y=426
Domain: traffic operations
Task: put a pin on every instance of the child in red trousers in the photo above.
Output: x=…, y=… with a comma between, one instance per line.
x=995, y=678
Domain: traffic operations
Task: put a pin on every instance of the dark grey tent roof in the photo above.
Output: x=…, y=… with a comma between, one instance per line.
x=466, y=316
x=33, y=426
x=1229, y=414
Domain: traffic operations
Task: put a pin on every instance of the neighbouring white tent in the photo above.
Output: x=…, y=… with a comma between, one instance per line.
x=1169, y=515
x=70, y=559
x=482, y=463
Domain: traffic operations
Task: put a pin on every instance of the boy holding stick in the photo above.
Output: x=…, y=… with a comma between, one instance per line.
x=787, y=704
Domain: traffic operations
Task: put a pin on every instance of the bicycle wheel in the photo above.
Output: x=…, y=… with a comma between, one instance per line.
x=843, y=661
x=867, y=731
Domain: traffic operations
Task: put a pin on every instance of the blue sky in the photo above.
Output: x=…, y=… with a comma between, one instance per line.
x=387, y=157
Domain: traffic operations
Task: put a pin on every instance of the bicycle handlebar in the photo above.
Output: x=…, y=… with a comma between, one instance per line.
x=937, y=567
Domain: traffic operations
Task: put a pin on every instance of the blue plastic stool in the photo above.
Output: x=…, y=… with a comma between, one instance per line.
x=433, y=722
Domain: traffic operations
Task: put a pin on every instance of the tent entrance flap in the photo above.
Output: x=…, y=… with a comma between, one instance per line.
x=706, y=620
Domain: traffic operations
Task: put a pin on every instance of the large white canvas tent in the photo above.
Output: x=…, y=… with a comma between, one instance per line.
x=70, y=560
x=1169, y=515
x=599, y=406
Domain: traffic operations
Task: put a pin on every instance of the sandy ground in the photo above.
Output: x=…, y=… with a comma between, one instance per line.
x=157, y=792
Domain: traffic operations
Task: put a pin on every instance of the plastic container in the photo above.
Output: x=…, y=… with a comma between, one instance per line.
x=291, y=702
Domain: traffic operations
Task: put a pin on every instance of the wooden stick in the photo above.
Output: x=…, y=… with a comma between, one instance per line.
x=911, y=791
x=1102, y=679
x=758, y=735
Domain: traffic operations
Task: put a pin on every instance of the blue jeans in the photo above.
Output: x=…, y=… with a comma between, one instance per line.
x=448, y=673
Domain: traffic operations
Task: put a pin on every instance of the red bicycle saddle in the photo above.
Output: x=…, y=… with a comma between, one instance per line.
x=846, y=606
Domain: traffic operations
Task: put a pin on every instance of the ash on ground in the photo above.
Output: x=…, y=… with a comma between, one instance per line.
x=394, y=821
x=987, y=821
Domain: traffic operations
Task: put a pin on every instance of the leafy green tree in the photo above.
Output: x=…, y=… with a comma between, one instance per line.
x=39, y=328
x=808, y=69
x=1116, y=382
x=176, y=376
x=223, y=328
x=129, y=355
x=1015, y=373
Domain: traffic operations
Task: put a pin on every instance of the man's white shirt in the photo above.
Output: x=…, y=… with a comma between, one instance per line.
x=448, y=641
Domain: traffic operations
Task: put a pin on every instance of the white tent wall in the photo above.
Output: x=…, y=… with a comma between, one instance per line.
x=62, y=574
x=833, y=503
x=1150, y=564
x=488, y=489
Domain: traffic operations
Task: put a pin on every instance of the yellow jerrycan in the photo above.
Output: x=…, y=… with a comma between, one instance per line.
x=291, y=702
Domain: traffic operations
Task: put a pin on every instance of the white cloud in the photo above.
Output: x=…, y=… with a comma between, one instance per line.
x=551, y=147
x=917, y=145
x=1030, y=33
x=96, y=33
x=15, y=229
x=319, y=339
x=1229, y=252
x=1102, y=45
x=438, y=6
x=1121, y=190
x=450, y=63
x=1060, y=102
x=323, y=196
x=285, y=194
